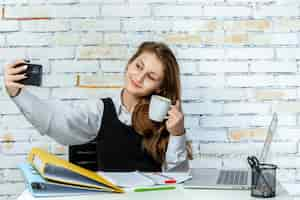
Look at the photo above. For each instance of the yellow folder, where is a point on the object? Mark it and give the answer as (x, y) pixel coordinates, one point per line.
(58, 170)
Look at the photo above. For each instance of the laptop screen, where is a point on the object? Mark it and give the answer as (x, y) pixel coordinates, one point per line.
(271, 131)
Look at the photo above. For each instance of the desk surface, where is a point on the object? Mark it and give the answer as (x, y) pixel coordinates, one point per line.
(178, 194)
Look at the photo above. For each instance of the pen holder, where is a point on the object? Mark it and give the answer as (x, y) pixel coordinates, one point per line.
(263, 181)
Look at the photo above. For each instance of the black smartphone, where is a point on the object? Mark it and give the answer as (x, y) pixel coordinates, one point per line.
(34, 74)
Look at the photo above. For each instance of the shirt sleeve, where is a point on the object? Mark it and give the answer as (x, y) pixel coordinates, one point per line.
(176, 155)
(67, 123)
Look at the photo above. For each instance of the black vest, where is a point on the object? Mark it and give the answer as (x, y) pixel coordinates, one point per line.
(118, 147)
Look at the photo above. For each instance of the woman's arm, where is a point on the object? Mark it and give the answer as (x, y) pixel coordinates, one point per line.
(66, 123)
(176, 155)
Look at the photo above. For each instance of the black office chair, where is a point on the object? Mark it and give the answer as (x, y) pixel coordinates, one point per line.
(84, 155)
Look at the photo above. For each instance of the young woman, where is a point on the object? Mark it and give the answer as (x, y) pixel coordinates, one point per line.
(126, 138)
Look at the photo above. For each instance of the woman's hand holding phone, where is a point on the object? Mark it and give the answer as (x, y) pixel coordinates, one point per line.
(13, 73)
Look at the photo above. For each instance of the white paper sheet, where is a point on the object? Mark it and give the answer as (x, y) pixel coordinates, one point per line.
(135, 179)
(127, 179)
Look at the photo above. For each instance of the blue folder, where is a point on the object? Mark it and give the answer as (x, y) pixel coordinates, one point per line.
(40, 187)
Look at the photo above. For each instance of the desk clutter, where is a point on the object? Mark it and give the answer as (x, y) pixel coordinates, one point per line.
(48, 175)
(135, 181)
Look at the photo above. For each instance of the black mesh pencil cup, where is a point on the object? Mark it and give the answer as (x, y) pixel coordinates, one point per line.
(263, 183)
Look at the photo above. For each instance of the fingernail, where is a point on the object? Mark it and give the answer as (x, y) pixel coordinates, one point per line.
(25, 66)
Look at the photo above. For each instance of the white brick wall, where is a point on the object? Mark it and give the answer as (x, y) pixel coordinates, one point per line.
(7, 26)
(273, 67)
(147, 25)
(250, 80)
(23, 39)
(214, 67)
(2, 40)
(239, 62)
(287, 53)
(12, 53)
(50, 53)
(95, 25)
(178, 11)
(125, 11)
(276, 11)
(58, 11)
(200, 53)
(70, 66)
(45, 26)
(250, 53)
(227, 11)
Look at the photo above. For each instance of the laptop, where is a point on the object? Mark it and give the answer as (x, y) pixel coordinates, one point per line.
(239, 179)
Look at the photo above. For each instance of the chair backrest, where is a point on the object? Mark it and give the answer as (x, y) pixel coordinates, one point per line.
(84, 155)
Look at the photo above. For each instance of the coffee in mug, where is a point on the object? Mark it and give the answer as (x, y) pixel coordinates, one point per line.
(159, 107)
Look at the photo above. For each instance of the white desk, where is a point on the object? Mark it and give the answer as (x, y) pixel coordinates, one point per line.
(178, 194)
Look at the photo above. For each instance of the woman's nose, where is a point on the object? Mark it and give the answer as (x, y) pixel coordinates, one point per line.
(140, 77)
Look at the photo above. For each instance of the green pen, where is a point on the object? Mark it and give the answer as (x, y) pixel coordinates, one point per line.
(145, 189)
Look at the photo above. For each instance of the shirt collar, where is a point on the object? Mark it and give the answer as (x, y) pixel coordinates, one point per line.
(120, 107)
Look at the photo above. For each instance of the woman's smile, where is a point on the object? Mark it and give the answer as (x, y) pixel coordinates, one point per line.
(135, 84)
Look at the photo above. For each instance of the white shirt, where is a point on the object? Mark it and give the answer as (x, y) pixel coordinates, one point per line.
(78, 123)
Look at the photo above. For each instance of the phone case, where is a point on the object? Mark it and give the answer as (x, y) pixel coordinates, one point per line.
(34, 75)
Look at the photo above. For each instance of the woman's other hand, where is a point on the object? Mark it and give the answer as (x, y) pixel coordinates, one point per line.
(175, 121)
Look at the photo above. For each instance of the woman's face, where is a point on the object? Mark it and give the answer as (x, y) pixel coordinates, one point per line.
(144, 75)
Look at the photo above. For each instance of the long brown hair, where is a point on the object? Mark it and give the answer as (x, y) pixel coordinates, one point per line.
(156, 136)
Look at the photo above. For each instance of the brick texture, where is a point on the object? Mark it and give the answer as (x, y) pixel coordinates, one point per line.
(239, 63)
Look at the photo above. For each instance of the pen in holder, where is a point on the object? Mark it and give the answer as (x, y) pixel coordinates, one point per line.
(263, 180)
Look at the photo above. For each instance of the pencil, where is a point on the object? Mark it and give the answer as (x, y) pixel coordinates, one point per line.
(145, 189)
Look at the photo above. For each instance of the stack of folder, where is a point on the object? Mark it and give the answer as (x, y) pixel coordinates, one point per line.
(47, 175)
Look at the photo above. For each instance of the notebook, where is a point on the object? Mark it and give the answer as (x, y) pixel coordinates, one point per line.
(226, 178)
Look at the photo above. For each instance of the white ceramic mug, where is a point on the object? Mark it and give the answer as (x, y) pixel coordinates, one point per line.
(159, 107)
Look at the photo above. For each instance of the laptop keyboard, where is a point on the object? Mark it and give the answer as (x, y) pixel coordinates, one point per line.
(232, 177)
